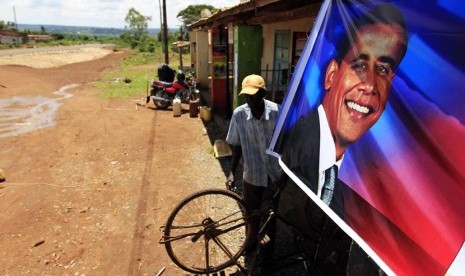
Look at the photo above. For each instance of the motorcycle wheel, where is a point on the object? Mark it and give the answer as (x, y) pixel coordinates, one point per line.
(160, 104)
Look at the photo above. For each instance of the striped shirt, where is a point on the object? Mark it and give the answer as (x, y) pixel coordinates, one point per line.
(253, 136)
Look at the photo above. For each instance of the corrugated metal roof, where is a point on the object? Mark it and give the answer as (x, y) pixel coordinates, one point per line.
(260, 11)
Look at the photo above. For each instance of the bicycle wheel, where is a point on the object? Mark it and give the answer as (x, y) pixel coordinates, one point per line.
(206, 232)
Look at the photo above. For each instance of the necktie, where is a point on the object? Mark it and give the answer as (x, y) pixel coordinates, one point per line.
(328, 186)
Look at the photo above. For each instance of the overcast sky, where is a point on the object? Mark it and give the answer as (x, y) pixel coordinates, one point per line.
(96, 13)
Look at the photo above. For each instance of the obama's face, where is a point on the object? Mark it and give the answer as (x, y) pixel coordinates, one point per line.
(358, 87)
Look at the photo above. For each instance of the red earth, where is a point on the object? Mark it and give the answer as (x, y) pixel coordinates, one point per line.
(90, 181)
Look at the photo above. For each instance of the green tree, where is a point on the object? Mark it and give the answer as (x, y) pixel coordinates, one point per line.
(191, 14)
(7, 25)
(58, 36)
(137, 33)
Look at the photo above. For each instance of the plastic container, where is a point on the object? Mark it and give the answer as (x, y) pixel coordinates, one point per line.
(202, 112)
(194, 108)
(177, 107)
(207, 114)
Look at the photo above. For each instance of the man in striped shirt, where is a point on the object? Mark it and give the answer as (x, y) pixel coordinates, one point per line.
(249, 134)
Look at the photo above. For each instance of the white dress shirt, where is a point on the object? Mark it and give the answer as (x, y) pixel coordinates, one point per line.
(327, 150)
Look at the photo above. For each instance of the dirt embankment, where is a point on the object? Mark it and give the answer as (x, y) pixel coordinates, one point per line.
(54, 57)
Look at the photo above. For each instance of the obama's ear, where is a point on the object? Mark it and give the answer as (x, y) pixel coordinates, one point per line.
(331, 70)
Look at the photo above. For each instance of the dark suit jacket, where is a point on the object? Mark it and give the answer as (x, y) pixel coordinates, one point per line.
(300, 149)
(300, 152)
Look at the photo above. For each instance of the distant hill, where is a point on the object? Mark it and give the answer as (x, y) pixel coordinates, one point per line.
(77, 30)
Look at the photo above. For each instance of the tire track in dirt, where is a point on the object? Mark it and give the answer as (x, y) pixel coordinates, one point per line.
(138, 236)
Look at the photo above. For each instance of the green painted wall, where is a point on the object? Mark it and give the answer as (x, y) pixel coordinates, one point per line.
(248, 51)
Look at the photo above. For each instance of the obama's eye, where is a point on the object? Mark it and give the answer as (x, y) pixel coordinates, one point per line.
(359, 66)
(383, 69)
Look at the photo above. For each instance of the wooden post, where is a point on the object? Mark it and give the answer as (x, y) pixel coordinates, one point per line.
(165, 33)
(180, 57)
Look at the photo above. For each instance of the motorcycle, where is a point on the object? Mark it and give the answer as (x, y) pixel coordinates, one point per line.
(184, 88)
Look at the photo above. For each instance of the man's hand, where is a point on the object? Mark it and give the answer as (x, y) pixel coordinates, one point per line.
(230, 182)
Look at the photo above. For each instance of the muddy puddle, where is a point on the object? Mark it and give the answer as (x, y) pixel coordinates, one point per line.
(20, 115)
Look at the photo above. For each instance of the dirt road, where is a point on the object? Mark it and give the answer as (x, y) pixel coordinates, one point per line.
(90, 181)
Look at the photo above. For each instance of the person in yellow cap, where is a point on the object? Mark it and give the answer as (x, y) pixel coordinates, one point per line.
(249, 134)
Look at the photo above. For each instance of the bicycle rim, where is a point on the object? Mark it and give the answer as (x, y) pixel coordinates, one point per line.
(206, 231)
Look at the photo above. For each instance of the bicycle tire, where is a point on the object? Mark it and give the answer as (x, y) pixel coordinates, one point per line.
(206, 232)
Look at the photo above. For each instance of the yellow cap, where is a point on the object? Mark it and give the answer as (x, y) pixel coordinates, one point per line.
(251, 84)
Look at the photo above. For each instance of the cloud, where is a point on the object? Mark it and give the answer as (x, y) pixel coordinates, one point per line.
(96, 13)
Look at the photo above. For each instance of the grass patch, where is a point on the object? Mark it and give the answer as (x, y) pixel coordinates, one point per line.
(134, 74)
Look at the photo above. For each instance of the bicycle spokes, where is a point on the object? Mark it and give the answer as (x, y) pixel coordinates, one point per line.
(206, 232)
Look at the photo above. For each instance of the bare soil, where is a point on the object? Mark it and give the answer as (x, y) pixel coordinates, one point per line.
(87, 194)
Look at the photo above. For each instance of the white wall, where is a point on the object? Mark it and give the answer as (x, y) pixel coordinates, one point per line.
(299, 25)
(11, 39)
(200, 56)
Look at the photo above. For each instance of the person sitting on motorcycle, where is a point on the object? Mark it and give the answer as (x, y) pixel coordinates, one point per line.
(179, 84)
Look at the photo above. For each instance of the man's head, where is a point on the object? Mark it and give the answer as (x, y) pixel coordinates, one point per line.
(254, 91)
(359, 79)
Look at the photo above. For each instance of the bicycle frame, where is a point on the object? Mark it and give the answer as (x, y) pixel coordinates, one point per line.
(210, 230)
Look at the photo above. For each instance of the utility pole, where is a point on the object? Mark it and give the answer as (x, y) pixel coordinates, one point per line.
(165, 33)
(161, 26)
(16, 23)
